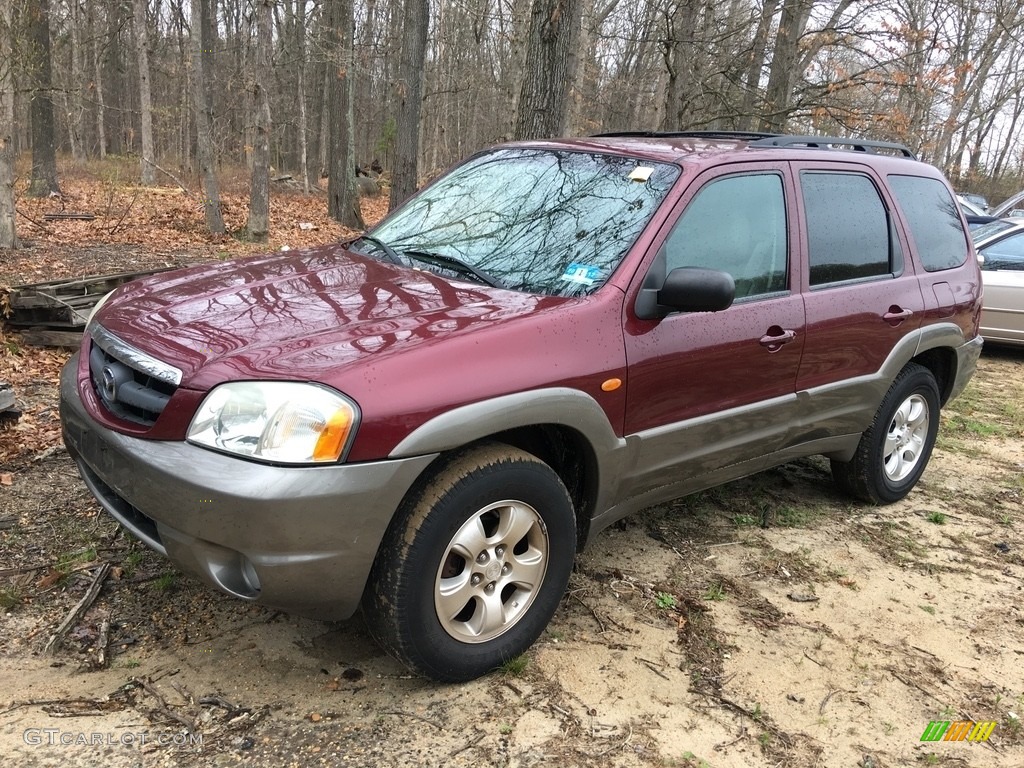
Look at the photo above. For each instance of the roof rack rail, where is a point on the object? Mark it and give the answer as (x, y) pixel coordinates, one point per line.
(723, 134)
(827, 142)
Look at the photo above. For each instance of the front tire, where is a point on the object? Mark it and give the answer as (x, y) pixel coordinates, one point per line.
(894, 451)
(474, 565)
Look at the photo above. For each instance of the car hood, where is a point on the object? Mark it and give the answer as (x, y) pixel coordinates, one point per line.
(304, 315)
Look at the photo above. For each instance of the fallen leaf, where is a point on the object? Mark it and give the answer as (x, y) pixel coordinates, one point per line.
(6, 478)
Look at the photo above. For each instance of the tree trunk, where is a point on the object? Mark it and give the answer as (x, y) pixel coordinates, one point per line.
(795, 14)
(43, 181)
(8, 231)
(342, 200)
(97, 66)
(409, 97)
(202, 55)
(259, 191)
(148, 170)
(75, 105)
(543, 106)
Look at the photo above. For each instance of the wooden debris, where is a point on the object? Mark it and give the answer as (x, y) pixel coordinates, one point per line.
(76, 613)
(68, 216)
(103, 645)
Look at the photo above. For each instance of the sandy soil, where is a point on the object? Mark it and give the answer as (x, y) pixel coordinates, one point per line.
(770, 622)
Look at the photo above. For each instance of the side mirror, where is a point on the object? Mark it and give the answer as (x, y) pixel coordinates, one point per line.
(685, 289)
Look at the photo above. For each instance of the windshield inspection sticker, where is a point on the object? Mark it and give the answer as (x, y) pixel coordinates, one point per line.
(641, 173)
(581, 273)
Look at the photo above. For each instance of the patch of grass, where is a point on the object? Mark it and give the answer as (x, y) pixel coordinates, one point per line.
(69, 560)
(10, 597)
(937, 517)
(505, 729)
(165, 582)
(715, 592)
(929, 609)
(131, 663)
(665, 600)
(1012, 726)
(745, 521)
(947, 712)
(515, 666)
(132, 561)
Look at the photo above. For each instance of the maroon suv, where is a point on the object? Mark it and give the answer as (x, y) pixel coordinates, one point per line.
(431, 420)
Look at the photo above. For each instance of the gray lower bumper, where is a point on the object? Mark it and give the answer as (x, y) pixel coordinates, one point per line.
(301, 539)
(967, 363)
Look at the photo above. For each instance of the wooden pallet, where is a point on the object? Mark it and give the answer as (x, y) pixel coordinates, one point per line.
(63, 305)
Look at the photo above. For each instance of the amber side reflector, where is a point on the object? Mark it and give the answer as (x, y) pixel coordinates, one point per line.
(611, 385)
(328, 445)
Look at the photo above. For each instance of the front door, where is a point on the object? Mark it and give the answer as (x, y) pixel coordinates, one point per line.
(709, 392)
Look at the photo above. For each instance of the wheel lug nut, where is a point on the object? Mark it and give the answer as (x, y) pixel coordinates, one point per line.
(482, 557)
(506, 568)
(489, 589)
(476, 579)
(499, 551)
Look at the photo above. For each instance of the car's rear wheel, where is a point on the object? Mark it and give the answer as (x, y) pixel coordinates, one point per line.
(474, 564)
(894, 451)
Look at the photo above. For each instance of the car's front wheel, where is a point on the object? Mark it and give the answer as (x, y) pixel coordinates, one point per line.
(894, 451)
(474, 565)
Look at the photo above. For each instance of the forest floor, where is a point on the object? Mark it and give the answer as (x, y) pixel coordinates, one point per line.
(769, 622)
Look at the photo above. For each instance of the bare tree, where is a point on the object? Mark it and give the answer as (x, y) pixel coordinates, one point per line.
(543, 106)
(203, 40)
(342, 199)
(259, 191)
(43, 180)
(409, 97)
(8, 231)
(148, 169)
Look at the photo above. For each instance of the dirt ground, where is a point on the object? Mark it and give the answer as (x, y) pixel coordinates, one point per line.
(770, 622)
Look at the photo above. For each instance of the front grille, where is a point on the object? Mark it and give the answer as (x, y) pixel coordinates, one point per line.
(130, 384)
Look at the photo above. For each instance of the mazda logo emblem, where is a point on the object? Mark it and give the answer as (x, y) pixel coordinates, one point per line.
(109, 383)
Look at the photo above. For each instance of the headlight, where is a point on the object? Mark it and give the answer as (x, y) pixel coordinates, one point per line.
(278, 421)
(96, 308)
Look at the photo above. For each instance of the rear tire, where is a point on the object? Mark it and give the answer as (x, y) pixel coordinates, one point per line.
(894, 451)
(474, 564)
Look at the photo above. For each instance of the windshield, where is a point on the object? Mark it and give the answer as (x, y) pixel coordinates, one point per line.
(551, 222)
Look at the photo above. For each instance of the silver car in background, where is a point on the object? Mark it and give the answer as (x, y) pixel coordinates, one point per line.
(1000, 246)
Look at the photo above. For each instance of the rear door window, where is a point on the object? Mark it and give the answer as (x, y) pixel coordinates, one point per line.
(847, 228)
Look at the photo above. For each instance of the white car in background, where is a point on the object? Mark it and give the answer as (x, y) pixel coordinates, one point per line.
(1000, 246)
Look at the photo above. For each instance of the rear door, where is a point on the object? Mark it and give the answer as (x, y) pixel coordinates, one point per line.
(861, 297)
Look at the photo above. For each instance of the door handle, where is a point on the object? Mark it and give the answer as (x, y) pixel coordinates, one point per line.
(897, 315)
(775, 338)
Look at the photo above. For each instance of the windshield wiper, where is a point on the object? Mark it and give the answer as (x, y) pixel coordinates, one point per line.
(458, 265)
(390, 252)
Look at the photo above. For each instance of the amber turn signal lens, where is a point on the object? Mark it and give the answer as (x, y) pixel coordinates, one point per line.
(611, 385)
(332, 439)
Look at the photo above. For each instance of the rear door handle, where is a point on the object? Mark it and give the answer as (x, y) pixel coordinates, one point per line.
(775, 338)
(897, 315)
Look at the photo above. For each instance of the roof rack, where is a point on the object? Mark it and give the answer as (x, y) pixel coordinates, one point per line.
(724, 134)
(762, 140)
(828, 142)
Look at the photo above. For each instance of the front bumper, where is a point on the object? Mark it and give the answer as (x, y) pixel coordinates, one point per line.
(301, 539)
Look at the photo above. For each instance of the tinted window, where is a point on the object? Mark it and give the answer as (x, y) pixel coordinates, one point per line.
(552, 222)
(1008, 253)
(847, 227)
(934, 222)
(738, 225)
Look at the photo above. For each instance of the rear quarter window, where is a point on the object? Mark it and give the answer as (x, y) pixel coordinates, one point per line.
(934, 220)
